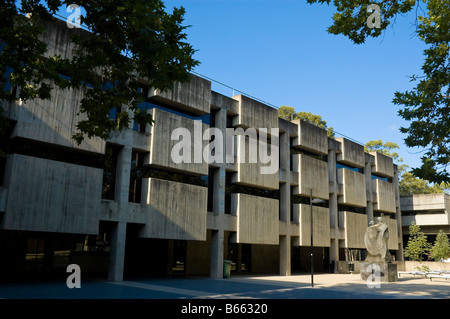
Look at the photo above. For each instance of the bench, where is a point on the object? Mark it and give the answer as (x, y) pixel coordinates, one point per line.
(431, 276)
(412, 273)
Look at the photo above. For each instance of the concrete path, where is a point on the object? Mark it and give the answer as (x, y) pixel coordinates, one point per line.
(326, 286)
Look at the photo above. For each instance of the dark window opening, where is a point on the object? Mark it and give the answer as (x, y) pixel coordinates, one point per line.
(355, 169)
(233, 254)
(179, 256)
(135, 191)
(212, 118)
(230, 120)
(353, 209)
(246, 264)
(386, 179)
(153, 172)
(301, 199)
(54, 153)
(228, 177)
(295, 150)
(109, 171)
(211, 194)
(274, 194)
(144, 106)
(421, 212)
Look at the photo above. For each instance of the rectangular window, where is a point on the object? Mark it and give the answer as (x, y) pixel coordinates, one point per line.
(137, 161)
(228, 176)
(179, 256)
(355, 169)
(109, 163)
(230, 120)
(211, 194)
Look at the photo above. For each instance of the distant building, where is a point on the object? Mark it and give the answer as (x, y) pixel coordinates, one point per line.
(125, 207)
(429, 211)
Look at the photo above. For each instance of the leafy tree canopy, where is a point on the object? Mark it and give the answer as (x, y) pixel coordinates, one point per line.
(417, 246)
(129, 40)
(441, 248)
(288, 113)
(409, 184)
(427, 105)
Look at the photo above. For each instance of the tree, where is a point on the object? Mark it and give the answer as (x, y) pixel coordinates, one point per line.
(427, 105)
(441, 248)
(417, 245)
(387, 149)
(288, 113)
(129, 40)
(408, 183)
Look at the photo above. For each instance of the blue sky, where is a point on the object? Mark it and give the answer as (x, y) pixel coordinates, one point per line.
(280, 52)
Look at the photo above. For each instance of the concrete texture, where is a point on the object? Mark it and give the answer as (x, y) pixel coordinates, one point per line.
(162, 144)
(193, 96)
(321, 225)
(385, 196)
(257, 219)
(51, 196)
(311, 138)
(313, 174)
(383, 165)
(175, 210)
(351, 153)
(353, 187)
(255, 114)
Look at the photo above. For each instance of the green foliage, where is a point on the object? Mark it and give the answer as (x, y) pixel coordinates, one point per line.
(128, 40)
(417, 245)
(423, 268)
(383, 148)
(288, 113)
(410, 184)
(441, 248)
(427, 106)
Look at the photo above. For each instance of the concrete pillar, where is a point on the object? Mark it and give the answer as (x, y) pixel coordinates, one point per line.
(368, 175)
(285, 240)
(118, 233)
(217, 236)
(123, 170)
(333, 208)
(117, 252)
(398, 217)
(285, 255)
(217, 243)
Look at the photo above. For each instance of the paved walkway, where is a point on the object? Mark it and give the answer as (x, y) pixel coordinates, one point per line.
(326, 286)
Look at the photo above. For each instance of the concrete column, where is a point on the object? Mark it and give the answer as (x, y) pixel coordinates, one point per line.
(285, 240)
(285, 255)
(117, 252)
(217, 243)
(123, 170)
(398, 217)
(368, 175)
(118, 233)
(217, 236)
(284, 151)
(333, 207)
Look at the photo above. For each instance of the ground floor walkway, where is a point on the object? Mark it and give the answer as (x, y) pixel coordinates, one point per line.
(326, 286)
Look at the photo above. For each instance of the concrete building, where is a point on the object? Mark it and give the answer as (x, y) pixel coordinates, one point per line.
(429, 211)
(124, 207)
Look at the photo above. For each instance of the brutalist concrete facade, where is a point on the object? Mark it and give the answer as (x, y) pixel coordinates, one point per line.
(142, 209)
